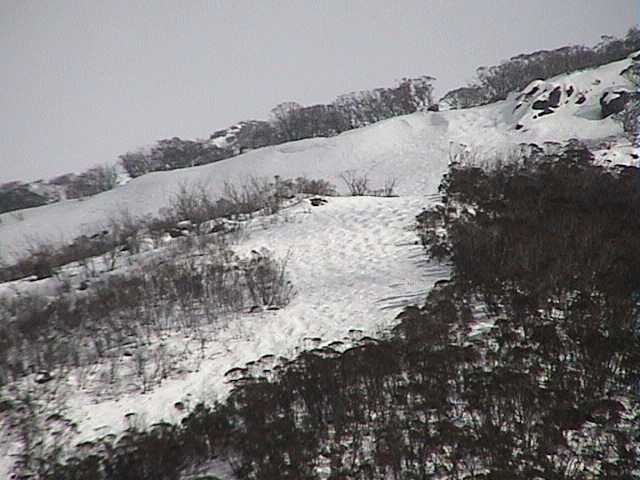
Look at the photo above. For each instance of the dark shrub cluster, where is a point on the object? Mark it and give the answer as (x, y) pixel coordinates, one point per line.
(91, 182)
(312, 186)
(535, 211)
(17, 195)
(43, 259)
(170, 154)
(630, 116)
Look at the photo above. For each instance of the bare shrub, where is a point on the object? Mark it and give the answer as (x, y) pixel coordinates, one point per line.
(223, 286)
(193, 203)
(357, 184)
(267, 282)
(41, 260)
(314, 187)
(255, 195)
(388, 190)
(141, 368)
(156, 227)
(124, 225)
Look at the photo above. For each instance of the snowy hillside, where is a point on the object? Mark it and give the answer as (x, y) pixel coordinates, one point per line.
(354, 262)
(414, 149)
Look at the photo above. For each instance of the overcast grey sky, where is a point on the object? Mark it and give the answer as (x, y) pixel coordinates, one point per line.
(84, 81)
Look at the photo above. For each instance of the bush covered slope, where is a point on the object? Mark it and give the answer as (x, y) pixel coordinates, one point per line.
(525, 365)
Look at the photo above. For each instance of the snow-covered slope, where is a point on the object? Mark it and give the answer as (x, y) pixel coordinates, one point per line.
(354, 262)
(414, 149)
(567, 104)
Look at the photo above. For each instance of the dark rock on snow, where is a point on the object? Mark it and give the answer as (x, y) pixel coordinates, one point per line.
(614, 101)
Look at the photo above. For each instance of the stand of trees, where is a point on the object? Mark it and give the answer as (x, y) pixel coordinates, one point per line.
(93, 181)
(290, 121)
(18, 195)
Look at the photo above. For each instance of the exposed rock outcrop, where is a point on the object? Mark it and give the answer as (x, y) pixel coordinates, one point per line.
(614, 100)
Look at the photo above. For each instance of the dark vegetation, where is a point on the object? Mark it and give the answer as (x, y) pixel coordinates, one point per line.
(525, 365)
(495, 82)
(91, 182)
(630, 116)
(18, 195)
